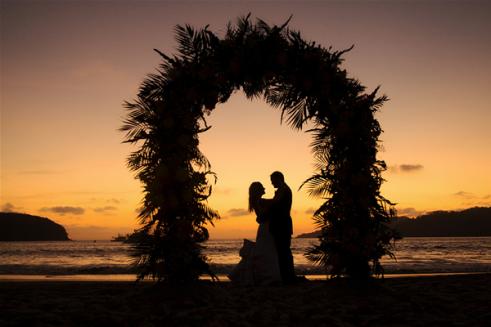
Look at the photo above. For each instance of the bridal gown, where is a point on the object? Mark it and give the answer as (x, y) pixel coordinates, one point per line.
(259, 263)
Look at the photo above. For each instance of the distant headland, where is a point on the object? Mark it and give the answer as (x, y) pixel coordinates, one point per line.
(469, 222)
(24, 227)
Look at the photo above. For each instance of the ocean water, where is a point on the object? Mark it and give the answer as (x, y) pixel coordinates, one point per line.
(414, 255)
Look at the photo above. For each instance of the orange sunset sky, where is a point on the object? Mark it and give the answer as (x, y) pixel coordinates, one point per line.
(67, 67)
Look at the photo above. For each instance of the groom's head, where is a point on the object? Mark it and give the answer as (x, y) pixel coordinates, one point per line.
(277, 179)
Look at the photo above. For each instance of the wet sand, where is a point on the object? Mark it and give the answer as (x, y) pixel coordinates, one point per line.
(221, 277)
(455, 300)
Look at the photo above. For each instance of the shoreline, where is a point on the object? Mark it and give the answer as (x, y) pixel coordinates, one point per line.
(222, 277)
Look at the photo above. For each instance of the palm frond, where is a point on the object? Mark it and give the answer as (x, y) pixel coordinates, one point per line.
(317, 185)
(297, 113)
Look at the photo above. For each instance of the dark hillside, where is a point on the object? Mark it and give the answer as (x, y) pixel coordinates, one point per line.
(24, 227)
(469, 222)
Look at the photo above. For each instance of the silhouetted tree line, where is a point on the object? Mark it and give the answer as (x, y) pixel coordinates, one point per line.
(469, 222)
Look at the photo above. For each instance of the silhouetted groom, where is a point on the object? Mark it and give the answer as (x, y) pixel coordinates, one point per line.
(281, 226)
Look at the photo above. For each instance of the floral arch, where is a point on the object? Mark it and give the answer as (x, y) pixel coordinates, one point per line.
(306, 82)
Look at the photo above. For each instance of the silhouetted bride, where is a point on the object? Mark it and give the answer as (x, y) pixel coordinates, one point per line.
(259, 263)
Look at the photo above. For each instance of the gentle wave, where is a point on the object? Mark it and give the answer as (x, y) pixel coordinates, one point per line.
(414, 255)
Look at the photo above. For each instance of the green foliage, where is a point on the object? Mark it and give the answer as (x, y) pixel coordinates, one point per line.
(306, 82)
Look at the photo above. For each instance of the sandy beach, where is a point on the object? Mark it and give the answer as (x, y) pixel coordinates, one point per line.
(458, 300)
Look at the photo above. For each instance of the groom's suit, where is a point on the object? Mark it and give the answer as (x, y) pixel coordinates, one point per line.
(281, 228)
